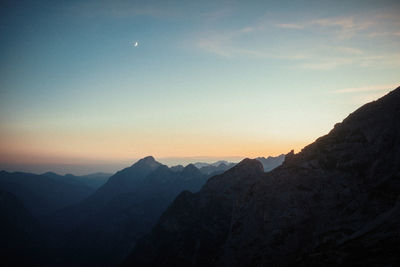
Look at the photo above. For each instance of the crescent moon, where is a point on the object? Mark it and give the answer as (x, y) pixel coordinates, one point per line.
(135, 44)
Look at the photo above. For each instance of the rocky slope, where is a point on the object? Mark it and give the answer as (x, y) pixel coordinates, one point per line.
(335, 202)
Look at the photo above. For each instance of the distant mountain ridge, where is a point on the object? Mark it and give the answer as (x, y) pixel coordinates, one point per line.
(93, 180)
(221, 166)
(214, 168)
(44, 194)
(109, 221)
(200, 165)
(271, 163)
(93, 212)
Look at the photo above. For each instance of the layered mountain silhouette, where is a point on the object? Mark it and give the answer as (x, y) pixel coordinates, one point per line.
(44, 194)
(93, 181)
(215, 168)
(334, 203)
(102, 229)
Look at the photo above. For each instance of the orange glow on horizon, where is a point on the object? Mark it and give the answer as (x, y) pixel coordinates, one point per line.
(107, 147)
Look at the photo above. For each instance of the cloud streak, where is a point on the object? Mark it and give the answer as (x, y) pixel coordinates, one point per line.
(344, 27)
(222, 46)
(339, 42)
(363, 89)
(290, 26)
(345, 24)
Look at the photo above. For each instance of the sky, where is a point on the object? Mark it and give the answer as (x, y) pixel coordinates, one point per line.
(208, 80)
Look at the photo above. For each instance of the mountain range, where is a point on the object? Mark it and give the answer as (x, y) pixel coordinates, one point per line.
(46, 193)
(103, 228)
(334, 203)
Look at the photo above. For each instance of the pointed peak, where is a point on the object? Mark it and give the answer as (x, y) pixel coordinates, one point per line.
(190, 167)
(190, 170)
(149, 160)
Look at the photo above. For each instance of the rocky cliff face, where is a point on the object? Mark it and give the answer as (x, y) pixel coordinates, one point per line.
(334, 202)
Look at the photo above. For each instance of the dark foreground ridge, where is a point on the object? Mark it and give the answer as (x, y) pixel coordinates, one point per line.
(334, 203)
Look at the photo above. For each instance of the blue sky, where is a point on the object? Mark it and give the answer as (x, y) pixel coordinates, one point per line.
(217, 79)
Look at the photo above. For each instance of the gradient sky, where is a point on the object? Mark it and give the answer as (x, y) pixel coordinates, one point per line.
(208, 80)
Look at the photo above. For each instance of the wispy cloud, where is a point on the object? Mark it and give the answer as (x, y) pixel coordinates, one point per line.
(326, 64)
(350, 50)
(225, 45)
(319, 57)
(348, 24)
(374, 88)
(214, 16)
(334, 42)
(222, 47)
(345, 27)
(380, 34)
(247, 29)
(290, 26)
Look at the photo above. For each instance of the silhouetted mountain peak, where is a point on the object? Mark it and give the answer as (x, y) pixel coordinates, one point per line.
(248, 165)
(148, 161)
(190, 168)
(126, 180)
(138, 170)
